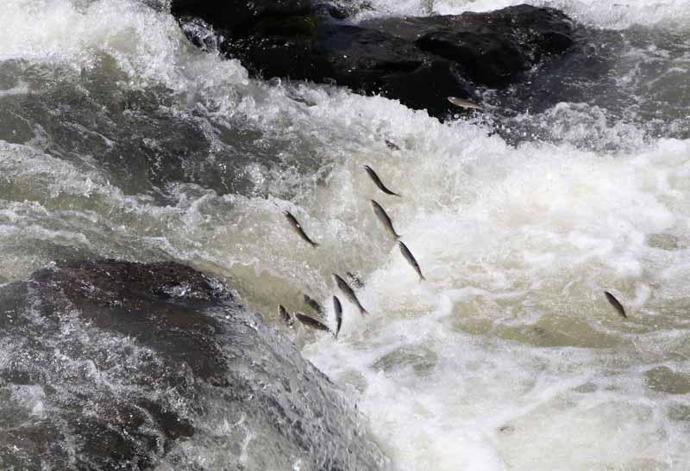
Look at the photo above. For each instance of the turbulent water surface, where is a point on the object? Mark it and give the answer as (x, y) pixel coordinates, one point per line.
(119, 138)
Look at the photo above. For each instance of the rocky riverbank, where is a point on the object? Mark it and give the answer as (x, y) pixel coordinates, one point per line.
(118, 365)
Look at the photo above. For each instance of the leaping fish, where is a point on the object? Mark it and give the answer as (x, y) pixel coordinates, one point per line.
(378, 182)
(384, 218)
(298, 228)
(311, 322)
(312, 303)
(345, 288)
(616, 304)
(338, 308)
(410, 258)
(285, 315)
(462, 103)
(391, 145)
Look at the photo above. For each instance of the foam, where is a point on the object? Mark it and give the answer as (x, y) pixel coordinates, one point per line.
(605, 14)
(508, 357)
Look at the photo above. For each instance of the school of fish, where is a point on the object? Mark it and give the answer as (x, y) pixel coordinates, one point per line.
(387, 223)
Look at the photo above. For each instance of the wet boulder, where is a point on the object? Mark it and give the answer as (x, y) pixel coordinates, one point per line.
(238, 17)
(419, 61)
(116, 365)
(492, 48)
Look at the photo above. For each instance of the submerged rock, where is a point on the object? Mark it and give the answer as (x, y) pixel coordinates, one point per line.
(420, 61)
(117, 365)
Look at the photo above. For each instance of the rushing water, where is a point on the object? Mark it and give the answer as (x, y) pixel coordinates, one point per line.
(118, 138)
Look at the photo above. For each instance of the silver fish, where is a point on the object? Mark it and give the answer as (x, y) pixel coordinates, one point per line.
(506, 428)
(285, 315)
(384, 218)
(410, 258)
(345, 288)
(311, 322)
(312, 303)
(616, 304)
(391, 145)
(338, 308)
(298, 228)
(378, 182)
(462, 103)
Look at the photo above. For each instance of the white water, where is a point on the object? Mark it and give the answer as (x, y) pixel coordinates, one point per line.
(508, 356)
(605, 14)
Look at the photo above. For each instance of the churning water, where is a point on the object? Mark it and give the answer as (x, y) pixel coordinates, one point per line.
(118, 138)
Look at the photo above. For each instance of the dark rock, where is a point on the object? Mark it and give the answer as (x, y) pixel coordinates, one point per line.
(490, 48)
(420, 61)
(366, 60)
(115, 365)
(238, 16)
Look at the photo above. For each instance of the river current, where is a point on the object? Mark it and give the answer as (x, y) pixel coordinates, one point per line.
(119, 138)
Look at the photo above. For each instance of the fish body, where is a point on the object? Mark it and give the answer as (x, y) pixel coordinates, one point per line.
(410, 258)
(384, 218)
(345, 288)
(311, 322)
(391, 145)
(462, 103)
(338, 308)
(312, 303)
(616, 304)
(378, 182)
(285, 315)
(298, 228)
